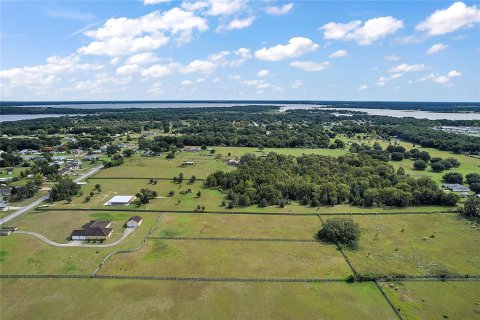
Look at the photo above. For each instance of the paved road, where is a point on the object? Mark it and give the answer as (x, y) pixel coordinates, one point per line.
(42, 199)
(76, 243)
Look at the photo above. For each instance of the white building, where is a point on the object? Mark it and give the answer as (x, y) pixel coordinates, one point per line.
(134, 222)
(119, 201)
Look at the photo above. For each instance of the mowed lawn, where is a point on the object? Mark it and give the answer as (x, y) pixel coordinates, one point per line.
(139, 299)
(210, 199)
(416, 245)
(244, 259)
(238, 226)
(24, 254)
(58, 225)
(436, 299)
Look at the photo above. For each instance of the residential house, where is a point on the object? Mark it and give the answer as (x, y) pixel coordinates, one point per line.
(93, 230)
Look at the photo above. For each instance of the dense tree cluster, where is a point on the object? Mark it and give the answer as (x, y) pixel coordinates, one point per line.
(64, 189)
(316, 180)
(342, 231)
(145, 195)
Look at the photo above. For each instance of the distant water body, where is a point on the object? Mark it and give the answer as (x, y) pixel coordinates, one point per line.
(419, 114)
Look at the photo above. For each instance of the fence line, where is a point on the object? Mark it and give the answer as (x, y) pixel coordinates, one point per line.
(292, 214)
(390, 302)
(232, 239)
(186, 179)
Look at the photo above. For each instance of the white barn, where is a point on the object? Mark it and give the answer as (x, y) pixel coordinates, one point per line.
(119, 201)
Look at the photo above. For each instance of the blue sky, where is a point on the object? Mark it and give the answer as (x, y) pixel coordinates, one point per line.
(239, 49)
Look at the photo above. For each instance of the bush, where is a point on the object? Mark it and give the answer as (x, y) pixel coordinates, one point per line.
(63, 190)
(420, 165)
(343, 231)
(438, 166)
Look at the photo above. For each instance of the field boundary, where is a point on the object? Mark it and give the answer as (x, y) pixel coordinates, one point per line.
(293, 214)
(390, 302)
(232, 239)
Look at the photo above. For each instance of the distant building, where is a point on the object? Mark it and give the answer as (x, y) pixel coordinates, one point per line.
(192, 149)
(93, 230)
(119, 201)
(4, 205)
(455, 187)
(90, 157)
(233, 162)
(188, 163)
(134, 222)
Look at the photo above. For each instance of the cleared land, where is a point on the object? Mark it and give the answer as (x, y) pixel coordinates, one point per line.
(53, 299)
(238, 226)
(208, 258)
(436, 300)
(24, 254)
(416, 245)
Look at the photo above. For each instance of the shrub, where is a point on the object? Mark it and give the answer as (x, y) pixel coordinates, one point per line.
(453, 177)
(471, 208)
(343, 231)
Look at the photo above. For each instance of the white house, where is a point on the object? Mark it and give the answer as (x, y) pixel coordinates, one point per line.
(134, 222)
(119, 201)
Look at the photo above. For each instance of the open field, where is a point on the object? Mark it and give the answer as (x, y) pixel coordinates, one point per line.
(210, 258)
(24, 254)
(416, 245)
(238, 226)
(210, 199)
(126, 299)
(436, 300)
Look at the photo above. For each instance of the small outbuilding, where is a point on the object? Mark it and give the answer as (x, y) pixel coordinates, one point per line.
(119, 201)
(134, 222)
(188, 163)
(455, 187)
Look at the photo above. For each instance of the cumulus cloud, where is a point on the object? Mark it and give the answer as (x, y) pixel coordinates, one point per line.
(401, 68)
(263, 73)
(158, 70)
(258, 84)
(296, 84)
(278, 11)
(225, 7)
(363, 87)
(142, 58)
(440, 78)
(237, 24)
(128, 69)
(296, 47)
(121, 36)
(383, 80)
(436, 48)
(455, 17)
(339, 54)
(454, 73)
(310, 65)
(371, 31)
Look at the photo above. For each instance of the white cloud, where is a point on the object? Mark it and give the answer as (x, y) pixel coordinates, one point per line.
(441, 79)
(454, 73)
(237, 24)
(142, 58)
(401, 68)
(128, 69)
(225, 7)
(158, 70)
(263, 73)
(156, 88)
(186, 82)
(310, 65)
(436, 48)
(120, 36)
(258, 84)
(372, 30)
(455, 17)
(296, 47)
(363, 87)
(383, 80)
(339, 54)
(277, 11)
(392, 57)
(199, 66)
(147, 2)
(243, 52)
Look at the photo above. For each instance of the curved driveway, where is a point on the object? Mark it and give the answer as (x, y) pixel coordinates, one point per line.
(76, 243)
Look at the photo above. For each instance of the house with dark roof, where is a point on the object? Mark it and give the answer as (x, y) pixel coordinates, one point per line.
(134, 222)
(93, 230)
